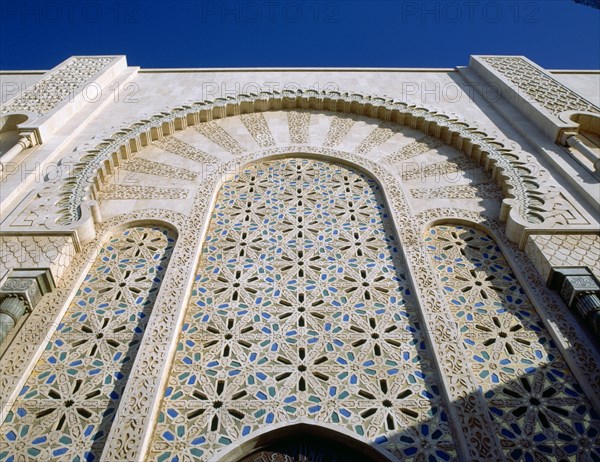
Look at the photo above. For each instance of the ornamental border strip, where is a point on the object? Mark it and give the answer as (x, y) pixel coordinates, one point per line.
(23, 353)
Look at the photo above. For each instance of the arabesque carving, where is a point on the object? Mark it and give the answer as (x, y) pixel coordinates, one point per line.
(521, 178)
(56, 86)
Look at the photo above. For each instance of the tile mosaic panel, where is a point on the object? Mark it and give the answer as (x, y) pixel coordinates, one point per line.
(66, 407)
(301, 309)
(540, 412)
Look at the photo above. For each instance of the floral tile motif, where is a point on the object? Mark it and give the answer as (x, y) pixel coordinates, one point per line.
(66, 407)
(301, 309)
(539, 409)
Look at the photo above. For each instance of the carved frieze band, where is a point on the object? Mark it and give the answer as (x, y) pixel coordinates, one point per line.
(464, 191)
(218, 135)
(524, 183)
(437, 169)
(127, 192)
(378, 136)
(339, 128)
(149, 167)
(183, 149)
(299, 123)
(257, 126)
(427, 143)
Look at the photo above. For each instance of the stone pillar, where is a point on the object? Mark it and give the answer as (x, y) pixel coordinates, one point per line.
(580, 290)
(27, 140)
(571, 139)
(19, 295)
(11, 309)
(589, 308)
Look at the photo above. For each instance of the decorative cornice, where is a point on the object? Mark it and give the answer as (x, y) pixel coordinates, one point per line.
(539, 85)
(534, 91)
(62, 92)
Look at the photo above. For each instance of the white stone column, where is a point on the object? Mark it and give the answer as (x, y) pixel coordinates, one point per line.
(26, 141)
(11, 310)
(576, 143)
(20, 294)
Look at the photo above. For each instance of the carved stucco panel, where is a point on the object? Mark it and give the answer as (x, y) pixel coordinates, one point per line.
(452, 363)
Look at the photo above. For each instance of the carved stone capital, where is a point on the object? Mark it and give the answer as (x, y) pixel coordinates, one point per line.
(11, 309)
(580, 290)
(27, 285)
(30, 137)
(573, 282)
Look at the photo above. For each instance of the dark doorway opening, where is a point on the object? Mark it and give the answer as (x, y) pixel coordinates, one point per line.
(305, 447)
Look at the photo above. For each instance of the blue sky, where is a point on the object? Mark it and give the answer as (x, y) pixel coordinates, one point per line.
(557, 34)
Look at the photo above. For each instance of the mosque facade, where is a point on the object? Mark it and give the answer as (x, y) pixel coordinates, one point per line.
(300, 264)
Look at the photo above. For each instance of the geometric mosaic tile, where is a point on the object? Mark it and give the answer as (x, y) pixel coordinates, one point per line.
(301, 309)
(540, 412)
(67, 405)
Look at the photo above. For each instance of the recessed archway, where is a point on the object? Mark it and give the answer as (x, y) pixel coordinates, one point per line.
(303, 441)
(301, 308)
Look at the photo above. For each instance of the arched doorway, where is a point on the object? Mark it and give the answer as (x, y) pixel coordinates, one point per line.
(304, 447)
(305, 441)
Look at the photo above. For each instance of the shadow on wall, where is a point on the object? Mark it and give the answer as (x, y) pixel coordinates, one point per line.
(128, 359)
(536, 418)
